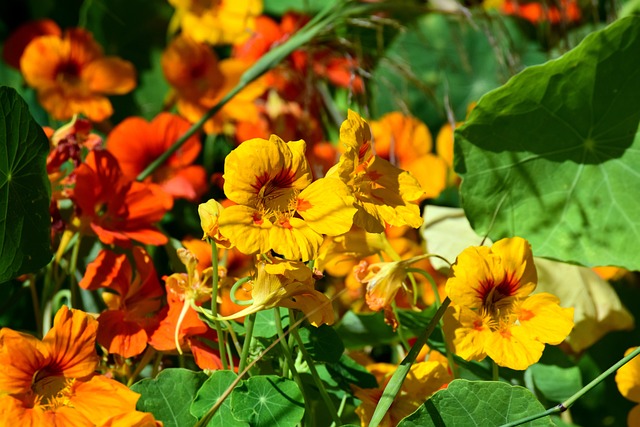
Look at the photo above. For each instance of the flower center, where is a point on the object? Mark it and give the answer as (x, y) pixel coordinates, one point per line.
(68, 72)
(52, 391)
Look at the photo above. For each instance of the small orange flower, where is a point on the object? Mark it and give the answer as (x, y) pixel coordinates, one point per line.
(201, 81)
(71, 75)
(536, 13)
(628, 382)
(115, 209)
(53, 382)
(123, 329)
(20, 38)
(135, 143)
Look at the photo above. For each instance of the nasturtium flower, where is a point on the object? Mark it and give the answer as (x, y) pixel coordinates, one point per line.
(72, 75)
(278, 207)
(132, 302)
(628, 382)
(53, 382)
(209, 213)
(423, 379)
(200, 81)
(493, 312)
(283, 288)
(115, 209)
(217, 22)
(20, 38)
(136, 143)
(383, 193)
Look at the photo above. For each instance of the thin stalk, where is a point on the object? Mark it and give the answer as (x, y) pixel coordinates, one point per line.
(286, 350)
(495, 371)
(234, 289)
(248, 324)
(214, 304)
(562, 407)
(36, 303)
(73, 284)
(343, 402)
(176, 333)
(314, 374)
(146, 358)
(395, 383)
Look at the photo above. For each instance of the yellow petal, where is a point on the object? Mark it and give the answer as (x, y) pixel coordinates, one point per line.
(246, 229)
(628, 378)
(466, 332)
(542, 318)
(514, 348)
(474, 267)
(327, 206)
(294, 239)
(517, 261)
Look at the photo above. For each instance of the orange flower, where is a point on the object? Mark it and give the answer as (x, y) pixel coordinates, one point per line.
(123, 328)
(201, 81)
(115, 209)
(71, 75)
(135, 143)
(19, 39)
(534, 12)
(52, 382)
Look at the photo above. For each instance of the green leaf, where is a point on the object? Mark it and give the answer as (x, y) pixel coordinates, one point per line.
(280, 7)
(208, 395)
(168, 397)
(265, 324)
(477, 403)
(25, 192)
(267, 400)
(347, 372)
(555, 383)
(322, 343)
(553, 154)
(359, 330)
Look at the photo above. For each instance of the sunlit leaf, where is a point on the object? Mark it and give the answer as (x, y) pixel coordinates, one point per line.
(477, 403)
(168, 396)
(209, 394)
(553, 154)
(267, 400)
(322, 343)
(25, 192)
(265, 323)
(359, 330)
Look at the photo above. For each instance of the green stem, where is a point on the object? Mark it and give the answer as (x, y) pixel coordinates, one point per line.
(314, 374)
(495, 371)
(248, 325)
(214, 304)
(234, 289)
(286, 350)
(395, 383)
(144, 361)
(584, 390)
(73, 284)
(36, 303)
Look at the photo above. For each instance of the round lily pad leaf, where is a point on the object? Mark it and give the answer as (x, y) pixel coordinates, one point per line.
(25, 192)
(553, 155)
(208, 395)
(267, 400)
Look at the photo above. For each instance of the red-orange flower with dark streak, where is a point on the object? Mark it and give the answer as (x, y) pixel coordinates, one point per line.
(136, 143)
(134, 298)
(115, 209)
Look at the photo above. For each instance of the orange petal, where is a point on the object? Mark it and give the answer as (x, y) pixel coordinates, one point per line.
(110, 75)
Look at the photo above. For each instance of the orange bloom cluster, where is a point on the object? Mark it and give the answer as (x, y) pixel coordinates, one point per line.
(539, 12)
(69, 70)
(53, 382)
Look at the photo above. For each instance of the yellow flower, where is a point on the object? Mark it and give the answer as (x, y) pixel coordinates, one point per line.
(283, 290)
(209, 213)
(493, 313)
(424, 379)
(628, 381)
(383, 193)
(279, 207)
(217, 21)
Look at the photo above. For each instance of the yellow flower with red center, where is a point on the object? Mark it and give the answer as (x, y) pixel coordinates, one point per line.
(53, 382)
(278, 207)
(217, 21)
(493, 313)
(288, 284)
(71, 75)
(384, 194)
(200, 81)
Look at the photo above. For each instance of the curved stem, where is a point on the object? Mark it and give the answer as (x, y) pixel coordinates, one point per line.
(314, 374)
(176, 334)
(234, 289)
(248, 324)
(584, 390)
(214, 304)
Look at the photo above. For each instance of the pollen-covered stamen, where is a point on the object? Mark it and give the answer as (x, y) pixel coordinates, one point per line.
(51, 390)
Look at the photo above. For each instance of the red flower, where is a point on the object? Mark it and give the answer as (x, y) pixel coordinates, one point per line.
(115, 209)
(122, 329)
(136, 143)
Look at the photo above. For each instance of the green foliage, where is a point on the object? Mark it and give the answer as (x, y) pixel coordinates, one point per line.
(168, 397)
(25, 191)
(212, 389)
(267, 400)
(347, 372)
(477, 403)
(555, 383)
(265, 324)
(322, 343)
(553, 154)
(359, 330)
